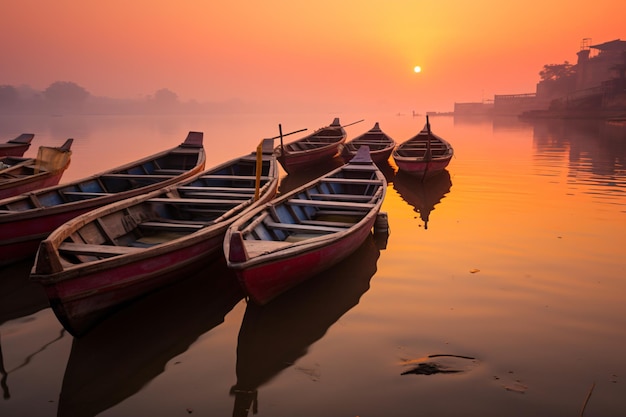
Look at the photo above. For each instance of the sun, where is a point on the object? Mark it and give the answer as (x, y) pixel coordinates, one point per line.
(417, 69)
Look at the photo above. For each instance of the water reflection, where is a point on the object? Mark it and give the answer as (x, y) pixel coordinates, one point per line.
(594, 151)
(19, 296)
(27, 360)
(129, 349)
(423, 196)
(272, 338)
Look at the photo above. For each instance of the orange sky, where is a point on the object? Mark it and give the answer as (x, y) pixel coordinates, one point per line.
(334, 55)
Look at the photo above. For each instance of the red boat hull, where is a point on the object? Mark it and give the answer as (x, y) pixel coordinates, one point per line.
(296, 162)
(31, 185)
(266, 281)
(425, 169)
(82, 300)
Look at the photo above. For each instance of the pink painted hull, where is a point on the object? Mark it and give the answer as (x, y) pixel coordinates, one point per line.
(26, 186)
(21, 231)
(14, 150)
(266, 281)
(82, 300)
(294, 162)
(424, 169)
(20, 239)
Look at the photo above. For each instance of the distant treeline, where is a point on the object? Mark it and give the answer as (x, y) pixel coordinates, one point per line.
(63, 97)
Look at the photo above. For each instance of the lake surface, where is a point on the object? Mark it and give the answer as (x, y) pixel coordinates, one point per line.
(501, 289)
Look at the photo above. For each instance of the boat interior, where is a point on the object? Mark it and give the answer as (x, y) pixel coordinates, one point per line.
(148, 172)
(332, 205)
(179, 211)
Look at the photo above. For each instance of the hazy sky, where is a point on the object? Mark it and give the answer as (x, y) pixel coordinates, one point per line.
(343, 53)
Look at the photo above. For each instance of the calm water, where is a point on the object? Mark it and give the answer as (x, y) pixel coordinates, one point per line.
(500, 291)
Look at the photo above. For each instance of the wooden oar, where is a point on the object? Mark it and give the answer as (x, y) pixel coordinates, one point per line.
(353, 123)
(280, 130)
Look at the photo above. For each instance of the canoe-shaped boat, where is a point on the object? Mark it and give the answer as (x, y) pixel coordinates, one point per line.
(276, 336)
(381, 145)
(27, 219)
(303, 232)
(318, 147)
(109, 256)
(44, 171)
(424, 155)
(17, 146)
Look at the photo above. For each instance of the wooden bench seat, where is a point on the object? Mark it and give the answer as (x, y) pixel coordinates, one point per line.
(233, 177)
(345, 197)
(352, 181)
(138, 176)
(86, 193)
(214, 194)
(106, 251)
(174, 227)
(323, 203)
(303, 227)
(194, 201)
(169, 171)
(327, 223)
(242, 190)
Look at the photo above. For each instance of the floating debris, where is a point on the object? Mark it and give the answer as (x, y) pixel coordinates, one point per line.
(447, 364)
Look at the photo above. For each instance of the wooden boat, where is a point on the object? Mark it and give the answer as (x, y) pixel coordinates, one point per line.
(109, 256)
(423, 195)
(381, 145)
(35, 173)
(318, 147)
(26, 220)
(424, 155)
(307, 230)
(143, 339)
(17, 146)
(275, 336)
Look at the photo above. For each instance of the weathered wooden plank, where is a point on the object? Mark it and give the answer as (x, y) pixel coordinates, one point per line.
(352, 181)
(178, 227)
(97, 250)
(336, 204)
(343, 197)
(303, 227)
(196, 201)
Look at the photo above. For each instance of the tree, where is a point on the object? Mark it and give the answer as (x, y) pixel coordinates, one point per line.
(8, 95)
(555, 72)
(66, 92)
(165, 96)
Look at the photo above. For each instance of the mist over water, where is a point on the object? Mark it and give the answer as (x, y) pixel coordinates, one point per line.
(499, 291)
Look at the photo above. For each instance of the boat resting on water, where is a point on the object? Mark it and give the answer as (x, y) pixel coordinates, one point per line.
(35, 173)
(92, 264)
(17, 146)
(424, 155)
(318, 147)
(301, 233)
(27, 219)
(381, 145)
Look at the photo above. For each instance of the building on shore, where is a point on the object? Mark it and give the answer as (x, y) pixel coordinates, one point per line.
(593, 87)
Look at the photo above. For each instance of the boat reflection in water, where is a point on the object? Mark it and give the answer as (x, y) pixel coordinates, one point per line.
(19, 296)
(423, 196)
(120, 355)
(273, 337)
